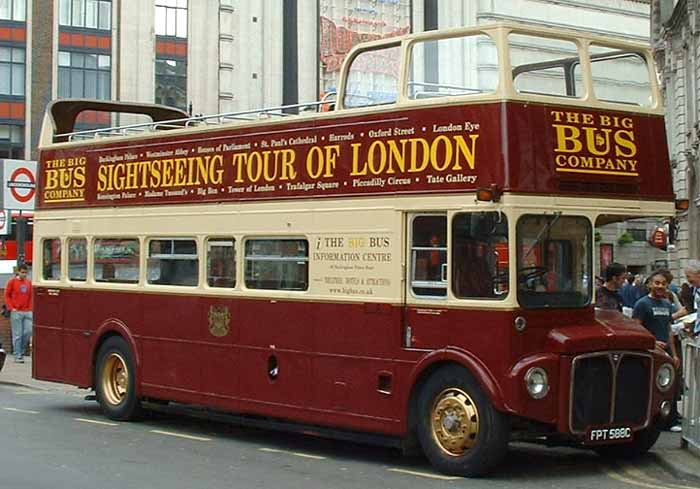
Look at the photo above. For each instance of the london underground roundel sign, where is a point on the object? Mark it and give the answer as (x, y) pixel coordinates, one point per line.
(19, 189)
(22, 185)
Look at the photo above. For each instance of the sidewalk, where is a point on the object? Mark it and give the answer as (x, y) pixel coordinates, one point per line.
(20, 374)
(680, 462)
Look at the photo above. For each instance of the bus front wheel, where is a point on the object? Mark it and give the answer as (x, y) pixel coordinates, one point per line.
(459, 429)
(115, 382)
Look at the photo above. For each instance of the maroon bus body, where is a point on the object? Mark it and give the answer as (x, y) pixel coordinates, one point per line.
(353, 372)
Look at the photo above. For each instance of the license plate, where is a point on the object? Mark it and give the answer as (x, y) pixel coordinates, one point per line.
(615, 434)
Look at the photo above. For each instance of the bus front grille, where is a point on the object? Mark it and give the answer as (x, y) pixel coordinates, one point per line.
(610, 388)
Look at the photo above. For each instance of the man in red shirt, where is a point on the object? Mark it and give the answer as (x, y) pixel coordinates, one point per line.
(18, 299)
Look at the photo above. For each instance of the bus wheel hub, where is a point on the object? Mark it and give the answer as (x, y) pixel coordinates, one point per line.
(455, 421)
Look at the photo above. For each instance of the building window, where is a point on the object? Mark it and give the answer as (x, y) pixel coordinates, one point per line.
(171, 18)
(12, 70)
(638, 234)
(11, 142)
(83, 75)
(171, 82)
(13, 10)
(91, 14)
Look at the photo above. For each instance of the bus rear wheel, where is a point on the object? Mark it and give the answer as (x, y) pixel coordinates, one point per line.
(459, 429)
(115, 380)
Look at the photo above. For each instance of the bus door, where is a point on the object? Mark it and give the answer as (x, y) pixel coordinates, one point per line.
(48, 314)
(462, 256)
(425, 314)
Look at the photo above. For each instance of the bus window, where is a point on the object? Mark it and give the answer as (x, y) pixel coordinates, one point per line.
(543, 65)
(277, 264)
(221, 262)
(116, 260)
(173, 262)
(453, 66)
(429, 256)
(480, 255)
(620, 76)
(554, 261)
(51, 259)
(77, 259)
(373, 78)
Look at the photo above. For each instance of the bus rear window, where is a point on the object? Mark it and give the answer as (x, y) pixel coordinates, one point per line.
(116, 260)
(277, 264)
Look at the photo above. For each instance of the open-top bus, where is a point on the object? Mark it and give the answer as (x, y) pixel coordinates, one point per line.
(415, 265)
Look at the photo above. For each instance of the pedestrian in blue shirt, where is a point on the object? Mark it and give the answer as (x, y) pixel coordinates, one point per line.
(655, 312)
(631, 291)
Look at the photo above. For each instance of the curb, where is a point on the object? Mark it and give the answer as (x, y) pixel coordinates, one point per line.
(17, 384)
(676, 470)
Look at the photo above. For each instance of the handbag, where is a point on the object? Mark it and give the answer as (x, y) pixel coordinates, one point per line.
(5, 311)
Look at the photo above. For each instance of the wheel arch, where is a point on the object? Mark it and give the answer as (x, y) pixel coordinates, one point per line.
(443, 358)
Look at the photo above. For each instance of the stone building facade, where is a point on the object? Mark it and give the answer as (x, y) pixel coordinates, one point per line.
(675, 32)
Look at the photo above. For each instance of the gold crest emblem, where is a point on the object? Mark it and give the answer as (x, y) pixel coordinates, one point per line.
(219, 319)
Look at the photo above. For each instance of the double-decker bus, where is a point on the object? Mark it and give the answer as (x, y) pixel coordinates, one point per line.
(414, 266)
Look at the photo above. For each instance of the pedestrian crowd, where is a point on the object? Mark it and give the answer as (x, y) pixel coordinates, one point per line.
(658, 304)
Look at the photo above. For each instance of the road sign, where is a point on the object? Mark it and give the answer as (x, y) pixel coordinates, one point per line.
(19, 189)
(5, 220)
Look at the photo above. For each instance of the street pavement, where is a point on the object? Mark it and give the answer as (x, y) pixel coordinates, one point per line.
(681, 462)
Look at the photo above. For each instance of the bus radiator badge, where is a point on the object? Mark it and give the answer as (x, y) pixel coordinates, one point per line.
(219, 319)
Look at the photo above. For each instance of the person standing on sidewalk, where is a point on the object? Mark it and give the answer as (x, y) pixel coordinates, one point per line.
(18, 299)
(692, 273)
(607, 296)
(655, 312)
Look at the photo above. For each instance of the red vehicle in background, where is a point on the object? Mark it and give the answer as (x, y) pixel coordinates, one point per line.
(414, 267)
(9, 244)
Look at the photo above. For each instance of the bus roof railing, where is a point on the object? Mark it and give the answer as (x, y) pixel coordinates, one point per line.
(68, 111)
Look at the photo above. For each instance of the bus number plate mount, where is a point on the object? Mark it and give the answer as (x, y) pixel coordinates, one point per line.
(607, 435)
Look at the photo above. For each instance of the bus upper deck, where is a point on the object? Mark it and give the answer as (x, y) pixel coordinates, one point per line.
(510, 107)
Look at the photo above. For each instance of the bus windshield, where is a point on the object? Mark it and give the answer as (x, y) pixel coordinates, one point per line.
(554, 261)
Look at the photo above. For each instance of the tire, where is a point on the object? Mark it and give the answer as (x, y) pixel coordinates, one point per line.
(642, 442)
(459, 430)
(115, 380)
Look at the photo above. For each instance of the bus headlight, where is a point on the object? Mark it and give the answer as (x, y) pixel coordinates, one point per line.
(537, 382)
(664, 377)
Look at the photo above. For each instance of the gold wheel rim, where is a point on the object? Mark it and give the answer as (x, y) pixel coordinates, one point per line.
(455, 422)
(115, 379)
